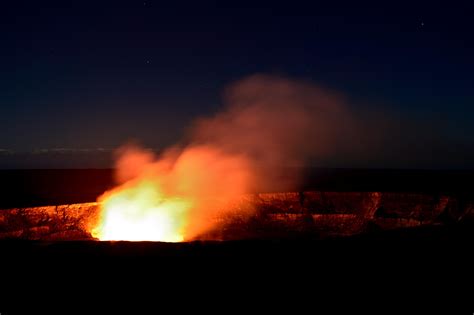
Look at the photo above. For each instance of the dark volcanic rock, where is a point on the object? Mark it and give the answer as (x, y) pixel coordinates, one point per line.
(265, 215)
(47, 222)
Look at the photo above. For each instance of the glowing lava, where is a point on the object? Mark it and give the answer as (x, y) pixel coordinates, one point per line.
(170, 198)
(140, 212)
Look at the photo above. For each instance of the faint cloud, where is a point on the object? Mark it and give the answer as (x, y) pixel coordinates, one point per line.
(6, 152)
(70, 151)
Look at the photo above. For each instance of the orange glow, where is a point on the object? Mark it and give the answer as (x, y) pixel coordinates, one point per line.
(141, 213)
(170, 199)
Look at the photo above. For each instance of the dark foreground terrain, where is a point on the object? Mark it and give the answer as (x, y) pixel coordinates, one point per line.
(420, 269)
(424, 269)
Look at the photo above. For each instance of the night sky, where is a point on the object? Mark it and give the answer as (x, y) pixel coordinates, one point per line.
(79, 78)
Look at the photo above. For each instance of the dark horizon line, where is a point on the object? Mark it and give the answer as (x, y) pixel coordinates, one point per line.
(283, 167)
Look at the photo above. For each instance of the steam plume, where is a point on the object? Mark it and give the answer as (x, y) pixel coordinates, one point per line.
(267, 123)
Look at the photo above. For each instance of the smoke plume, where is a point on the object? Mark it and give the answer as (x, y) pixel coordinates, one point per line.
(268, 123)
